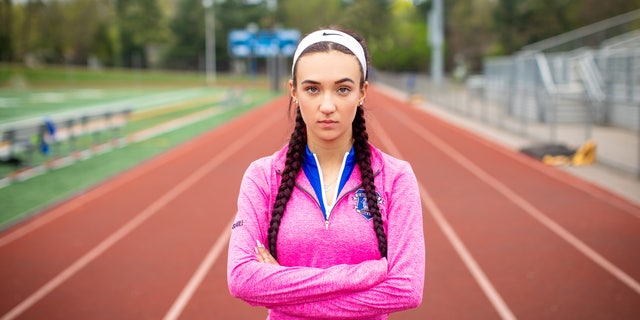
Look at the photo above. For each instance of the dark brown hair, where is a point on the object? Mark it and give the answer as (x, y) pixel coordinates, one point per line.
(296, 151)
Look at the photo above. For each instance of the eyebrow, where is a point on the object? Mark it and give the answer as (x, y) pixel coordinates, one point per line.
(336, 82)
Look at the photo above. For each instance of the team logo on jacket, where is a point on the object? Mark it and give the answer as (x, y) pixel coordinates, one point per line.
(361, 206)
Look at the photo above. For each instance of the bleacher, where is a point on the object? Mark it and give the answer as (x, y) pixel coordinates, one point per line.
(57, 140)
(570, 90)
(589, 75)
(36, 142)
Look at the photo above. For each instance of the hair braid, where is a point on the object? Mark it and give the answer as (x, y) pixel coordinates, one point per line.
(292, 166)
(363, 158)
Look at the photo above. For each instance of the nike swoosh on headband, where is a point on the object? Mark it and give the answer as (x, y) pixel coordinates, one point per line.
(343, 39)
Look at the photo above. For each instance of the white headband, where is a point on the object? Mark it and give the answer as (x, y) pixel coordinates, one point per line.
(336, 36)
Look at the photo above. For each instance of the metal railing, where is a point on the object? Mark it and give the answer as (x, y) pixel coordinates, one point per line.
(55, 142)
(589, 36)
(580, 86)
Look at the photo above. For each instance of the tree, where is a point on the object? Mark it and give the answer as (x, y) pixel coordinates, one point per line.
(42, 35)
(120, 32)
(141, 24)
(468, 42)
(6, 21)
(522, 22)
(367, 17)
(592, 11)
(309, 15)
(402, 45)
(188, 46)
(187, 26)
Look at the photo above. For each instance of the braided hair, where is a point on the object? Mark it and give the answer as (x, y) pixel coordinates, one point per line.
(296, 151)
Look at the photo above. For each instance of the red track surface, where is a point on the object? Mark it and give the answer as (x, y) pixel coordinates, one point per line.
(506, 237)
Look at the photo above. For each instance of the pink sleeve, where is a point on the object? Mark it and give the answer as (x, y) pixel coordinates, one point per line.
(403, 287)
(269, 285)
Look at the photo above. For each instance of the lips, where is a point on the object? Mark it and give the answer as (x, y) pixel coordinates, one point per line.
(327, 123)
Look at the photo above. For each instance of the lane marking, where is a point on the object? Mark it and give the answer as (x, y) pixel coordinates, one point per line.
(591, 188)
(82, 199)
(520, 202)
(198, 277)
(185, 296)
(97, 192)
(153, 208)
(467, 258)
(133, 138)
(588, 187)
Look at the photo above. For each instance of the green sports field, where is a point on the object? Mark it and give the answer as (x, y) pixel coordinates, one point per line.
(154, 99)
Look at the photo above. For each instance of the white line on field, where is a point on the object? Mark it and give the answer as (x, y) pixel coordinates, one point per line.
(153, 208)
(474, 268)
(521, 202)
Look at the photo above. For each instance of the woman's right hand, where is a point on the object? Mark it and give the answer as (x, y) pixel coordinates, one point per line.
(264, 255)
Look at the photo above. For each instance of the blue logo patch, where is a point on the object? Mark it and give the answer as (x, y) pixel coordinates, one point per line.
(361, 203)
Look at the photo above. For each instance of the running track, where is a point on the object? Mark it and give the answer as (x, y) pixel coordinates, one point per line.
(506, 237)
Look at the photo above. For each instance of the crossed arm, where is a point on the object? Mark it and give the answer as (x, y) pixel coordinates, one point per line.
(369, 288)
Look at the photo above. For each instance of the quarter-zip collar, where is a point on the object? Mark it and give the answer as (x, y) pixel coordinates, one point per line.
(349, 184)
(312, 170)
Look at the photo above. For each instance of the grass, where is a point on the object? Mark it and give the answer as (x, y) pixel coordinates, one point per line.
(37, 91)
(139, 121)
(23, 199)
(17, 104)
(60, 77)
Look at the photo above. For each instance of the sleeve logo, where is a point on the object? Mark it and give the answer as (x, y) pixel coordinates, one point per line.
(237, 224)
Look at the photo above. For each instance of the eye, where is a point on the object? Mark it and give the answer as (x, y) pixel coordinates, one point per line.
(344, 90)
(311, 89)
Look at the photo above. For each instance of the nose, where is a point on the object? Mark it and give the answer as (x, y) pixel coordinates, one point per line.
(327, 105)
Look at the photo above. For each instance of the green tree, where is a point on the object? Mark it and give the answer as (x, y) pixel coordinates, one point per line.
(105, 44)
(470, 34)
(6, 30)
(367, 17)
(521, 22)
(141, 24)
(402, 44)
(59, 31)
(42, 32)
(121, 32)
(83, 23)
(188, 28)
(592, 11)
(309, 15)
(238, 14)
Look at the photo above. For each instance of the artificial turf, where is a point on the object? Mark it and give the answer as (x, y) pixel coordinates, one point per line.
(23, 199)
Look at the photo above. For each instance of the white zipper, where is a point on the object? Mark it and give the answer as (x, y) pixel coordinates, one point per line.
(337, 186)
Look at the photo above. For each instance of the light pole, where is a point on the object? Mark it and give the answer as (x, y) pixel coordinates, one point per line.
(436, 39)
(210, 39)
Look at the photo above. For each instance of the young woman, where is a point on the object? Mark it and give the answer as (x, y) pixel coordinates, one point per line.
(328, 227)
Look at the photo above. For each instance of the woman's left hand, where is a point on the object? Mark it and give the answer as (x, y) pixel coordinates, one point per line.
(264, 255)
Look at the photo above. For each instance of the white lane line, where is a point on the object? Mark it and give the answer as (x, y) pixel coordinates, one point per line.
(474, 268)
(98, 192)
(197, 278)
(520, 202)
(622, 205)
(81, 200)
(617, 201)
(154, 207)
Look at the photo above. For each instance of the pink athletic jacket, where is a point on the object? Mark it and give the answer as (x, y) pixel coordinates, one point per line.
(329, 270)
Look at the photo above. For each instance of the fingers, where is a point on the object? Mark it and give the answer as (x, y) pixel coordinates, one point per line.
(260, 251)
(263, 255)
